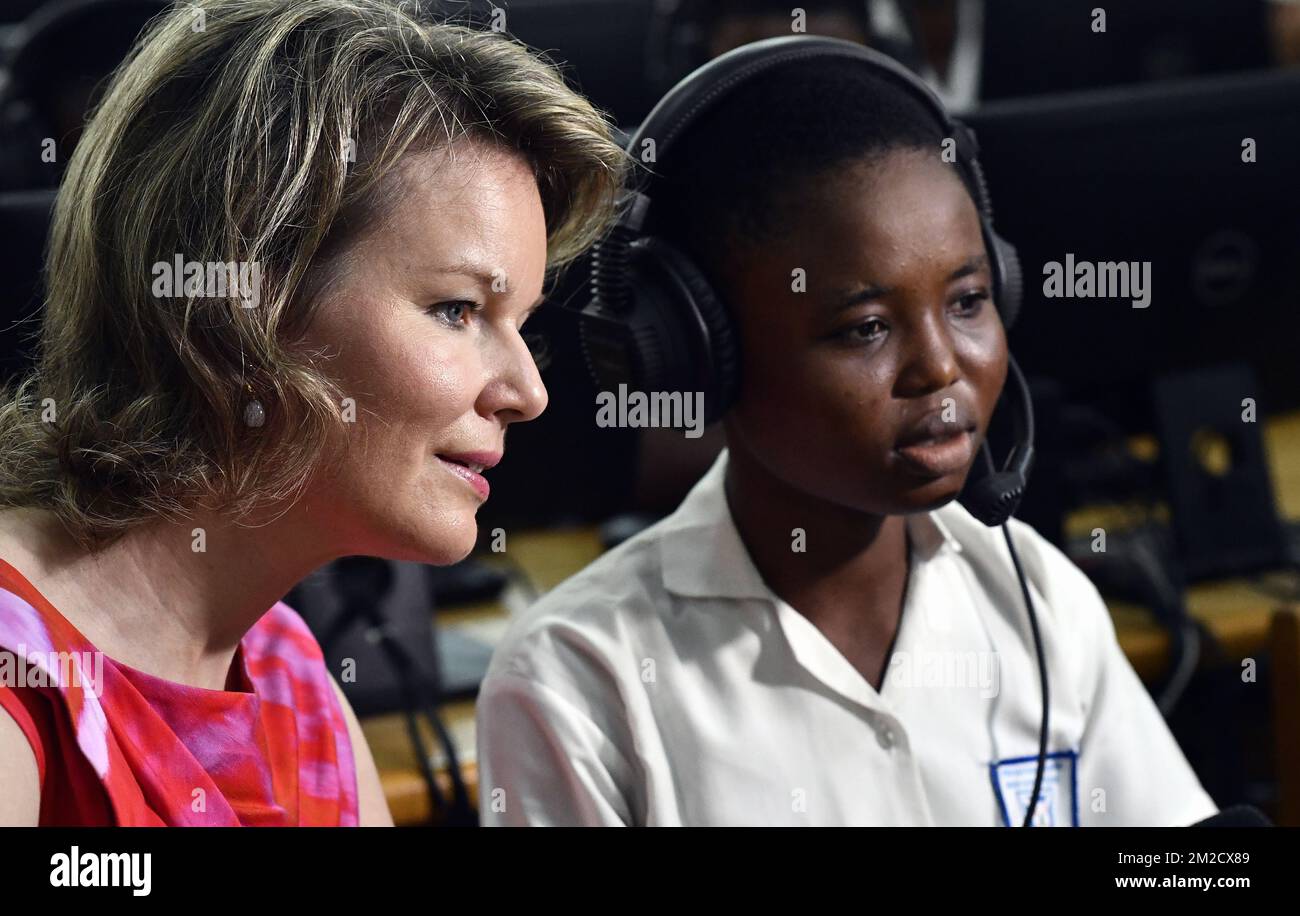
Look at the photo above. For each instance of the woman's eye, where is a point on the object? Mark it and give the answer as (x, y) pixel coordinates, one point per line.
(455, 312)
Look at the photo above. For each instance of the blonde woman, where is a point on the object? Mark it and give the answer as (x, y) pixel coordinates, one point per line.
(287, 276)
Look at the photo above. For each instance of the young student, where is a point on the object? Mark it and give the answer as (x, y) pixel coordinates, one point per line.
(820, 634)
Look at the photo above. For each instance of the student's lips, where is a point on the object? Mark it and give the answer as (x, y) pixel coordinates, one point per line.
(938, 456)
(469, 467)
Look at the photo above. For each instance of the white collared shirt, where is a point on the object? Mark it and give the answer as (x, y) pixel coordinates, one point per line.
(666, 684)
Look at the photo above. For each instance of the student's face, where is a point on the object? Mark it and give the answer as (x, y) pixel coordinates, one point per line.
(896, 323)
(429, 347)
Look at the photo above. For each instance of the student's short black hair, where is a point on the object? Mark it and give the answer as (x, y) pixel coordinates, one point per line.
(732, 179)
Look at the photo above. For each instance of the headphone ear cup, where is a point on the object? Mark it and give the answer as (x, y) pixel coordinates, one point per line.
(1010, 280)
(1006, 262)
(707, 320)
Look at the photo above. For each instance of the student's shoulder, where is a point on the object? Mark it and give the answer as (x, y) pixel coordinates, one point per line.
(1070, 611)
(1071, 599)
(603, 612)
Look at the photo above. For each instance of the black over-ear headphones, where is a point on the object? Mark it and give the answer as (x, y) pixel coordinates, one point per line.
(655, 323)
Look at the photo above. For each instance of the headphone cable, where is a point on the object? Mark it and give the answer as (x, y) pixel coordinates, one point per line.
(1042, 675)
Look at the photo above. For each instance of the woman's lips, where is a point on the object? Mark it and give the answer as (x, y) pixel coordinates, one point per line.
(939, 457)
(469, 475)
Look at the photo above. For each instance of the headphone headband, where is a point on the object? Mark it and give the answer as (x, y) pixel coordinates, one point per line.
(700, 90)
(686, 100)
(654, 318)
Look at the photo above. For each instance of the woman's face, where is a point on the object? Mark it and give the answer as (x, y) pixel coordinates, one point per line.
(896, 324)
(423, 327)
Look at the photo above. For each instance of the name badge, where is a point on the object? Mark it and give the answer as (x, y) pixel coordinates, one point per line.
(1058, 796)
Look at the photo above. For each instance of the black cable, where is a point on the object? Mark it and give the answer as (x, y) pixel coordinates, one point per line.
(361, 583)
(459, 811)
(1148, 552)
(1144, 572)
(410, 702)
(1042, 675)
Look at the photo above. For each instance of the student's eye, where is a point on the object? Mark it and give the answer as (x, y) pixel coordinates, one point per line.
(455, 312)
(973, 302)
(866, 332)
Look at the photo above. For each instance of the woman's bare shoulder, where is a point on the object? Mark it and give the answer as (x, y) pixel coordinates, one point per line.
(20, 802)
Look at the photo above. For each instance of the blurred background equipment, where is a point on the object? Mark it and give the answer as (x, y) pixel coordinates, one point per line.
(1155, 174)
(24, 223)
(55, 67)
(373, 618)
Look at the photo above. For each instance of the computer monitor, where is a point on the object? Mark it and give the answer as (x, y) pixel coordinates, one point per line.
(1198, 179)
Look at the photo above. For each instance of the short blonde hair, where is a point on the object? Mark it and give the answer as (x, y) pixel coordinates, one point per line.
(224, 137)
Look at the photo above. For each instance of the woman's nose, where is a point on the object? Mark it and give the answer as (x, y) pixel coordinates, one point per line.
(516, 392)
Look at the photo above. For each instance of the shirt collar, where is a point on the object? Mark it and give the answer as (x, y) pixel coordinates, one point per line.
(703, 556)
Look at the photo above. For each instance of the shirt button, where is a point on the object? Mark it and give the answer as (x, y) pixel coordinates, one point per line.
(885, 735)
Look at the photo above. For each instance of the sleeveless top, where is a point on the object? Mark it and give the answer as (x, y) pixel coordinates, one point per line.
(117, 746)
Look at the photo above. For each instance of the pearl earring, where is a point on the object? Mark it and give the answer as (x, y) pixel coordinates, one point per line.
(254, 412)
